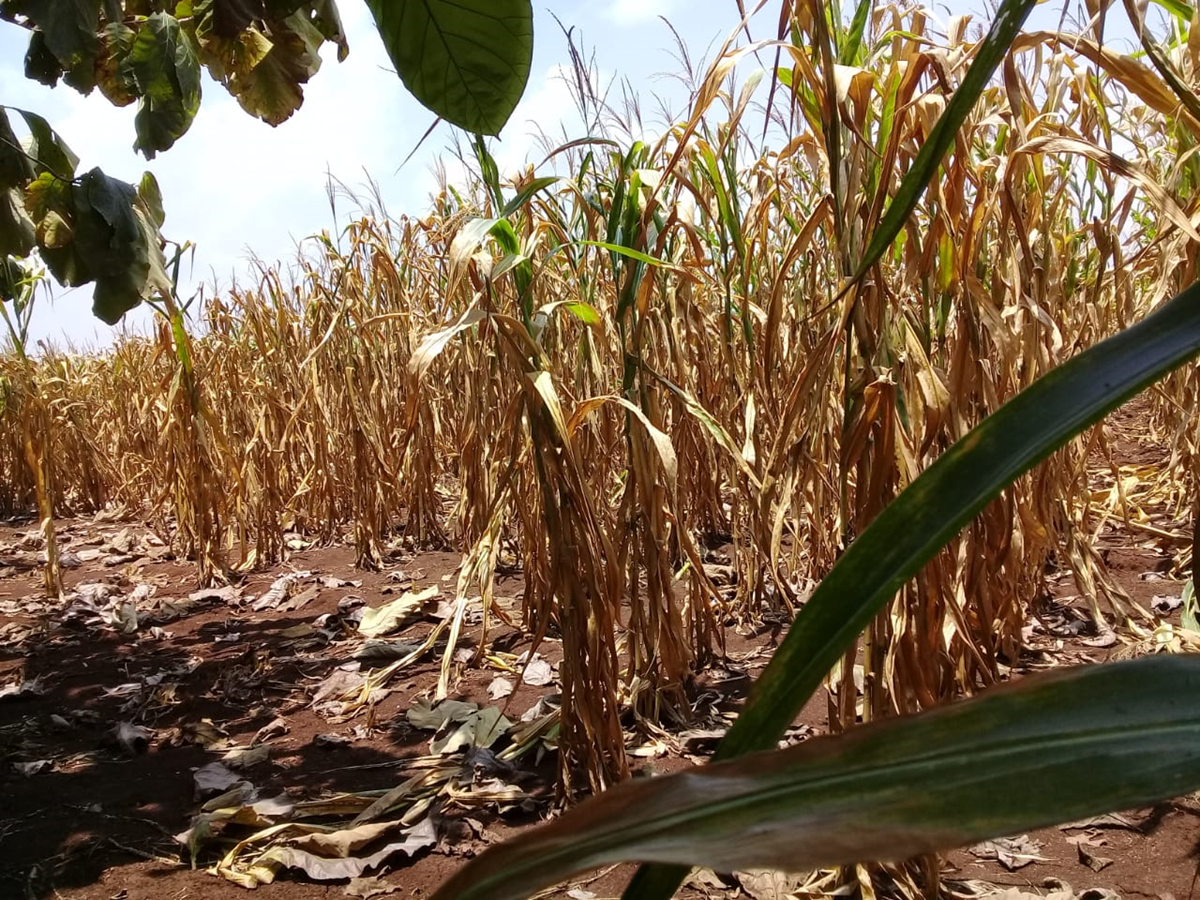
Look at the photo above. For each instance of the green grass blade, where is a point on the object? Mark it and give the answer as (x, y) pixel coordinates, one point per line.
(1079, 743)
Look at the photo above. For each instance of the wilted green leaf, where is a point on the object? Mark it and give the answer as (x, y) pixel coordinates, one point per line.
(1079, 743)
(271, 89)
(116, 42)
(68, 34)
(163, 66)
(40, 64)
(17, 235)
(49, 151)
(16, 168)
(466, 60)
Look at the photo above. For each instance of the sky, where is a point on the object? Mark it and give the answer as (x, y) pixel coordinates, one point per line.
(235, 186)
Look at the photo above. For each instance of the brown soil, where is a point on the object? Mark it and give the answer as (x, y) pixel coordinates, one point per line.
(98, 822)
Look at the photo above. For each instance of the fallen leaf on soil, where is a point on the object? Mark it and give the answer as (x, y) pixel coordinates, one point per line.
(1011, 853)
(275, 728)
(1063, 893)
(706, 881)
(480, 729)
(129, 738)
(380, 620)
(424, 715)
(245, 757)
(301, 599)
(121, 616)
(341, 681)
(279, 590)
(500, 688)
(321, 868)
(345, 841)
(1111, 820)
(767, 884)
(333, 582)
(226, 594)
(1095, 863)
(1165, 603)
(538, 672)
(368, 886)
(213, 779)
(31, 688)
(700, 740)
(381, 652)
(33, 767)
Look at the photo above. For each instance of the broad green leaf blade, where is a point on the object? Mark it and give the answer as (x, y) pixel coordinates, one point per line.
(162, 64)
(48, 148)
(67, 31)
(466, 60)
(1005, 27)
(1078, 743)
(16, 169)
(272, 88)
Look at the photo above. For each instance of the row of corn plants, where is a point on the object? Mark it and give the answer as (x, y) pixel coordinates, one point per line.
(595, 367)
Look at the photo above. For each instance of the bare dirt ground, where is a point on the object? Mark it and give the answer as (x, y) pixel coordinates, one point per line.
(125, 714)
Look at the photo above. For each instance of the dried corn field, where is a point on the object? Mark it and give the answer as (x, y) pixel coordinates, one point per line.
(593, 370)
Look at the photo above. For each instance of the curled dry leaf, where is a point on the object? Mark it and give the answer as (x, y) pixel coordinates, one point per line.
(500, 688)
(214, 778)
(129, 738)
(381, 620)
(538, 672)
(339, 863)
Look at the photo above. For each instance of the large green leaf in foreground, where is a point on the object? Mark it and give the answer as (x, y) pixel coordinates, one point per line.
(467, 60)
(1048, 749)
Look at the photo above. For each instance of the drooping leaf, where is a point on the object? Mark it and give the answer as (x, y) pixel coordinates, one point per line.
(162, 64)
(328, 21)
(272, 88)
(68, 34)
(229, 18)
(466, 60)
(16, 168)
(40, 64)
(17, 236)
(48, 150)
(1078, 743)
(103, 230)
(116, 43)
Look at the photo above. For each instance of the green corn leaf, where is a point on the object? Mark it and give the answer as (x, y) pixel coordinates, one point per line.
(526, 193)
(1079, 743)
(466, 60)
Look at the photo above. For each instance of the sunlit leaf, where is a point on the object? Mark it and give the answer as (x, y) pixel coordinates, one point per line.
(466, 60)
